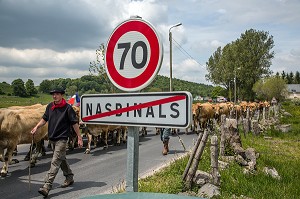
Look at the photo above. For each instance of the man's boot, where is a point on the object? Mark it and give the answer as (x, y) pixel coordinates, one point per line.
(166, 147)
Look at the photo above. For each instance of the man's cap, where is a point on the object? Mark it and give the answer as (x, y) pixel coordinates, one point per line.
(57, 91)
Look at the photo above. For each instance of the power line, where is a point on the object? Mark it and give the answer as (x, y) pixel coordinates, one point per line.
(186, 53)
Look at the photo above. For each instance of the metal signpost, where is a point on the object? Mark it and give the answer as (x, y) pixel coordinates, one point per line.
(134, 54)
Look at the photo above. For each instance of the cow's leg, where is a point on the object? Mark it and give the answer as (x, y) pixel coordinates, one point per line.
(124, 135)
(1, 155)
(15, 152)
(105, 137)
(5, 167)
(118, 135)
(88, 147)
(157, 131)
(8, 160)
(40, 150)
(31, 148)
(195, 126)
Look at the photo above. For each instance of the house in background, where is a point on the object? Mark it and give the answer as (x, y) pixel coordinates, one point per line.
(198, 98)
(221, 99)
(293, 91)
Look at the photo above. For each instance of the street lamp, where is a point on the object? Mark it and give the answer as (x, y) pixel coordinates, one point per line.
(170, 39)
(235, 83)
(234, 86)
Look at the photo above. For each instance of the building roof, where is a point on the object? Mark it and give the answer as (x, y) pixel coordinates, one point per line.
(293, 88)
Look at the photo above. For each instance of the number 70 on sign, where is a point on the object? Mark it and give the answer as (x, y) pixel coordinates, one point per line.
(134, 55)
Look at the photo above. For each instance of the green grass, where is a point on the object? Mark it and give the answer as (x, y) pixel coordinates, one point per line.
(281, 152)
(7, 101)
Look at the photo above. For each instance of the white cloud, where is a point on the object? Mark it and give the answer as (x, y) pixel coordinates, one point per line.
(53, 39)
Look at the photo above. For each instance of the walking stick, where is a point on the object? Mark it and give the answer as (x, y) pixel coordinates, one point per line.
(29, 168)
(180, 140)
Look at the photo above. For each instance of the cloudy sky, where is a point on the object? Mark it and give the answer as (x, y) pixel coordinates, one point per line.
(58, 39)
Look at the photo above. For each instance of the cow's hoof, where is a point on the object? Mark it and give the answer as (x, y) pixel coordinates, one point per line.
(32, 165)
(14, 161)
(3, 174)
(26, 158)
(87, 151)
(105, 147)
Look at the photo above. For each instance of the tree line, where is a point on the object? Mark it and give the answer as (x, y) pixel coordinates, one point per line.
(93, 84)
(290, 78)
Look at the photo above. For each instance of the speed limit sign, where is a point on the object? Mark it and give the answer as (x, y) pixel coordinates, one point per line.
(134, 55)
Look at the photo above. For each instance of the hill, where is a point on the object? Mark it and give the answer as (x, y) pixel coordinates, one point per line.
(89, 84)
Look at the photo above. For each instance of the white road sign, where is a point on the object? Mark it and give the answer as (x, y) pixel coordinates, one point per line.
(159, 109)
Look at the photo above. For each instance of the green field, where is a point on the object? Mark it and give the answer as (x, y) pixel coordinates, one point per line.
(7, 101)
(281, 151)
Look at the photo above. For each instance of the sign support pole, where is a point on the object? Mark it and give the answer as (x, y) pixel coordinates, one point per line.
(132, 159)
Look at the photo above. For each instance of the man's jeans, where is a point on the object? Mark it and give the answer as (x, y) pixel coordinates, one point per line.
(165, 134)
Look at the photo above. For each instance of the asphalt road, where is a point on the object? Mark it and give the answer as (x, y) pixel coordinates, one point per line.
(100, 172)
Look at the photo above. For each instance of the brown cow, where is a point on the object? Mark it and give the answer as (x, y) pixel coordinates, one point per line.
(204, 114)
(253, 106)
(237, 111)
(103, 130)
(15, 128)
(221, 109)
(244, 106)
(195, 121)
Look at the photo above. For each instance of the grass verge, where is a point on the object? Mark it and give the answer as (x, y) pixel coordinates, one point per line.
(282, 152)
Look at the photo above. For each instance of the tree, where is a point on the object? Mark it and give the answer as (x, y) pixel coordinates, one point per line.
(19, 88)
(290, 78)
(247, 60)
(218, 91)
(271, 87)
(297, 77)
(259, 89)
(283, 76)
(71, 90)
(1, 92)
(45, 86)
(30, 89)
(97, 67)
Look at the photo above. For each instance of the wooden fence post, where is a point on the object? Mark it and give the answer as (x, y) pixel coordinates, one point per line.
(222, 141)
(196, 160)
(264, 115)
(246, 125)
(255, 127)
(192, 156)
(214, 160)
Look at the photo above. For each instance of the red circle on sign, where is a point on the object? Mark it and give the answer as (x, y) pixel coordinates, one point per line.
(137, 82)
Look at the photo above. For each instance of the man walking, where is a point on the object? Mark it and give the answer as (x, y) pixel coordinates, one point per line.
(165, 136)
(60, 117)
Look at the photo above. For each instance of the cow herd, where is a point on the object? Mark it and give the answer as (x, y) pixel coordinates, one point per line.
(16, 123)
(205, 113)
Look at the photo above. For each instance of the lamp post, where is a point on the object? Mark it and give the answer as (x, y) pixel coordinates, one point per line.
(170, 39)
(235, 86)
(235, 83)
